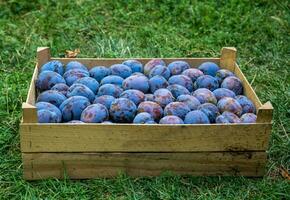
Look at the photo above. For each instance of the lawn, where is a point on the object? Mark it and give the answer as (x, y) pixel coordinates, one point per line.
(258, 29)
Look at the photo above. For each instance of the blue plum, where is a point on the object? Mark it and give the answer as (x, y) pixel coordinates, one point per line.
(222, 120)
(204, 96)
(157, 82)
(178, 109)
(123, 110)
(134, 95)
(112, 79)
(51, 96)
(247, 105)
(75, 65)
(196, 117)
(106, 100)
(223, 92)
(151, 64)
(231, 105)
(54, 66)
(182, 80)
(142, 118)
(110, 89)
(50, 107)
(228, 117)
(192, 73)
(78, 89)
(150, 122)
(209, 68)
(137, 82)
(91, 83)
(222, 74)
(189, 100)
(206, 81)
(210, 110)
(154, 109)
(177, 67)
(47, 79)
(121, 70)
(177, 90)
(61, 87)
(74, 74)
(163, 97)
(99, 72)
(171, 119)
(73, 107)
(95, 113)
(233, 83)
(46, 116)
(135, 65)
(248, 118)
(160, 70)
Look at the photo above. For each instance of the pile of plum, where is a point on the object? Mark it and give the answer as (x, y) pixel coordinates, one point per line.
(133, 93)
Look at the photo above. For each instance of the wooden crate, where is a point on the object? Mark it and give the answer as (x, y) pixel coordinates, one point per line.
(82, 151)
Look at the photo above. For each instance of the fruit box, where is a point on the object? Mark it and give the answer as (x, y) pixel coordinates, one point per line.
(82, 151)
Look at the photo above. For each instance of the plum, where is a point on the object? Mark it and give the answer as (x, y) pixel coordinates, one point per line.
(228, 117)
(149, 97)
(206, 81)
(47, 79)
(91, 83)
(50, 107)
(222, 120)
(231, 105)
(189, 100)
(204, 96)
(51, 96)
(121, 70)
(123, 110)
(136, 82)
(112, 79)
(95, 113)
(248, 118)
(54, 66)
(209, 68)
(177, 90)
(75, 65)
(75, 122)
(171, 119)
(247, 105)
(46, 116)
(134, 95)
(73, 107)
(61, 87)
(178, 109)
(74, 74)
(177, 67)
(222, 74)
(163, 97)
(110, 89)
(196, 117)
(135, 65)
(233, 83)
(192, 73)
(210, 110)
(160, 70)
(78, 89)
(154, 109)
(157, 82)
(106, 100)
(151, 64)
(99, 72)
(223, 92)
(142, 118)
(182, 80)
(150, 122)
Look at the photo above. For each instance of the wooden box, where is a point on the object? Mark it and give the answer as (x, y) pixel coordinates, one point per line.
(82, 151)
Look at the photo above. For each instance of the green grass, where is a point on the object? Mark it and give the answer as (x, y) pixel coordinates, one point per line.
(259, 30)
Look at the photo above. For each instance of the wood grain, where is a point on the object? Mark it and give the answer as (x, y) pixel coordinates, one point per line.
(143, 138)
(265, 113)
(228, 58)
(92, 165)
(43, 56)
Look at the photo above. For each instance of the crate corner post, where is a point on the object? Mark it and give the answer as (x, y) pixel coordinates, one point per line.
(43, 55)
(265, 113)
(228, 58)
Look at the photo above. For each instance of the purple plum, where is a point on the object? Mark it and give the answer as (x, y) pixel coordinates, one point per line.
(247, 105)
(222, 74)
(54, 66)
(178, 109)
(151, 64)
(206, 81)
(112, 79)
(154, 109)
(51, 96)
(134, 95)
(182, 80)
(105, 100)
(177, 67)
(50, 107)
(75, 65)
(248, 118)
(74, 74)
(110, 89)
(228, 117)
(192, 73)
(91, 83)
(223, 92)
(233, 83)
(231, 105)
(160, 70)
(123, 110)
(157, 82)
(209, 68)
(121, 70)
(196, 117)
(171, 119)
(61, 87)
(99, 72)
(142, 118)
(47, 79)
(46, 116)
(210, 110)
(163, 97)
(177, 90)
(204, 96)
(78, 89)
(189, 100)
(95, 113)
(135, 65)
(136, 82)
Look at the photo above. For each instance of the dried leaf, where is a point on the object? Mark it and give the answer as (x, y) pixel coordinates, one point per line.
(72, 54)
(284, 173)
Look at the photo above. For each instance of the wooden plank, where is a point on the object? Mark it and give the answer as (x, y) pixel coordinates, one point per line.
(31, 96)
(265, 113)
(93, 165)
(91, 62)
(143, 138)
(29, 113)
(248, 90)
(43, 56)
(228, 58)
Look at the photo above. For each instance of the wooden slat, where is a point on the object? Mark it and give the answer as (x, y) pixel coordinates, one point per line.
(265, 113)
(92, 165)
(91, 62)
(43, 56)
(29, 113)
(143, 138)
(228, 58)
(31, 96)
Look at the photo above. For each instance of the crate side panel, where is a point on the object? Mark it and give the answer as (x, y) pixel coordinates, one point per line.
(92, 165)
(143, 138)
